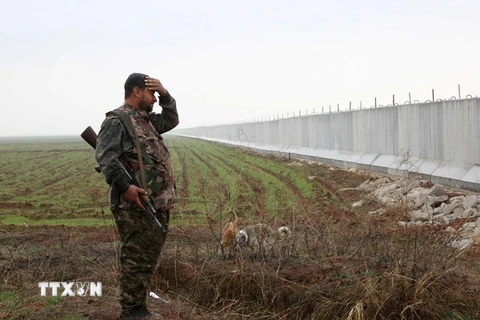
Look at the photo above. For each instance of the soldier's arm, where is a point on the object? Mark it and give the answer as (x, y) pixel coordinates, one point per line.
(109, 150)
(168, 118)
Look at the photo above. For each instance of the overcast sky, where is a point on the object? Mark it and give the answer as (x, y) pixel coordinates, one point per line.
(63, 63)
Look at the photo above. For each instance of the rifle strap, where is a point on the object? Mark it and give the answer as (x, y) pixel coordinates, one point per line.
(133, 134)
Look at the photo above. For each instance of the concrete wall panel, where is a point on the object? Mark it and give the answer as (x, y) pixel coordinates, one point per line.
(442, 132)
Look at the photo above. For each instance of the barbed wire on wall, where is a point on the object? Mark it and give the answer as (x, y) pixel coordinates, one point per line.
(299, 113)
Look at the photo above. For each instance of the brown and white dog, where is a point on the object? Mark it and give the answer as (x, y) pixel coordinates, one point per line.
(228, 233)
(259, 237)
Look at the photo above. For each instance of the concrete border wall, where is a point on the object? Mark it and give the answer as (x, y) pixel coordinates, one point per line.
(438, 141)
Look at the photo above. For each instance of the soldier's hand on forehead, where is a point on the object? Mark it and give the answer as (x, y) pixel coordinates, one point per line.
(155, 85)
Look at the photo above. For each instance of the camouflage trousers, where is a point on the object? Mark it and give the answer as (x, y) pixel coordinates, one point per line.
(141, 243)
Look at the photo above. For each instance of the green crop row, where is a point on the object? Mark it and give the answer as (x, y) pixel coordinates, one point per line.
(45, 180)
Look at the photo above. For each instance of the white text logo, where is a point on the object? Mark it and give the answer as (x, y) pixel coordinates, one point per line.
(71, 289)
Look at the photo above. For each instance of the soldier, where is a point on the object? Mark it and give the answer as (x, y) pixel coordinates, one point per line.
(141, 239)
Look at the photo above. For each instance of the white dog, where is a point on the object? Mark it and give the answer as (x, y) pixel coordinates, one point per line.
(259, 237)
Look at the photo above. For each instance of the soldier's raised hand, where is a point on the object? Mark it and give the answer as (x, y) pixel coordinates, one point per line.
(155, 85)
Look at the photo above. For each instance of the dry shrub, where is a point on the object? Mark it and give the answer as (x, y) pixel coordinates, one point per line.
(351, 268)
(251, 291)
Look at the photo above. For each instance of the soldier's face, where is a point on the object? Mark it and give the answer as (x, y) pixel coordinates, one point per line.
(147, 100)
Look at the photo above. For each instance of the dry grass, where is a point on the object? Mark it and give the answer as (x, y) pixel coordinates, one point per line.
(339, 262)
(348, 269)
(373, 271)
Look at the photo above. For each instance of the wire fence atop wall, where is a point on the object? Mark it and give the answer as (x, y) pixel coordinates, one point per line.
(329, 109)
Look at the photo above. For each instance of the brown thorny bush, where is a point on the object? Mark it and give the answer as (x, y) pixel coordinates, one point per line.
(357, 269)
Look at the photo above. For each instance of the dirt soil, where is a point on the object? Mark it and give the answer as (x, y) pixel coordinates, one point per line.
(336, 250)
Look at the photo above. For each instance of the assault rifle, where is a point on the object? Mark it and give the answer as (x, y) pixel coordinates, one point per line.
(90, 137)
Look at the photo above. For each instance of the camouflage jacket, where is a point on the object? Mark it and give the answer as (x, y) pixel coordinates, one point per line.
(114, 143)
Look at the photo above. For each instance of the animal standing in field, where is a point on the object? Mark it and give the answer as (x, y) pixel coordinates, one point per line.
(259, 237)
(228, 233)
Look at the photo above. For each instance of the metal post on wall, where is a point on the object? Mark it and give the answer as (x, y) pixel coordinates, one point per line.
(433, 95)
(375, 102)
(410, 98)
(459, 95)
(393, 103)
(338, 107)
(322, 109)
(350, 106)
(330, 108)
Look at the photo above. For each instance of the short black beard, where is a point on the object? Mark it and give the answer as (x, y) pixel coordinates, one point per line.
(145, 107)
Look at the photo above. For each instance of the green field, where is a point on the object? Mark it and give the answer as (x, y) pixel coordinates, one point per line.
(340, 261)
(48, 182)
